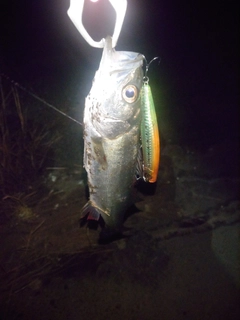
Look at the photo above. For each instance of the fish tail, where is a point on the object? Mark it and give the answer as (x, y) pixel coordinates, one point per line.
(90, 213)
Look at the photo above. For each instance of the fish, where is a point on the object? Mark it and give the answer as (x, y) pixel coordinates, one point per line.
(112, 122)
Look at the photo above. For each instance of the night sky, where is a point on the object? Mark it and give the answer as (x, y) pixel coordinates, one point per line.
(195, 86)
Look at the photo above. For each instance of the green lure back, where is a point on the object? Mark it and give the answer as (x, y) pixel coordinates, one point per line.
(149, 135)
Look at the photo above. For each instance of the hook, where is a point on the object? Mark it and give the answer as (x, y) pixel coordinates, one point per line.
(145, 77)
(75, 14)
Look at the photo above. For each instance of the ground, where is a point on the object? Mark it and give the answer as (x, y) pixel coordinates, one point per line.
(178, 259)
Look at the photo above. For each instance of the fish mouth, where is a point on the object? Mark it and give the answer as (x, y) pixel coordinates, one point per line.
(116, 61)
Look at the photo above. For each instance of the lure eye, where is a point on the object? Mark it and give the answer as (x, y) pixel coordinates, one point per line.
(130, 93)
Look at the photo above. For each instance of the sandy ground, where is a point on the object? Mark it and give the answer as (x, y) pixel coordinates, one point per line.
(179, 258)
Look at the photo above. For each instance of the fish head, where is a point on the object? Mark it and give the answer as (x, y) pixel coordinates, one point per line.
(115, 94)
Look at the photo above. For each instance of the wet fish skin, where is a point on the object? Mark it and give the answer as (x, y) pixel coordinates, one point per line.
(112, 118)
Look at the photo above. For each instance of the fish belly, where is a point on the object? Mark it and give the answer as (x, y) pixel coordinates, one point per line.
(110, 166)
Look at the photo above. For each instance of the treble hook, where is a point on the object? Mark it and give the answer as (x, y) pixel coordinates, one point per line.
(75, 14)
(145, 77)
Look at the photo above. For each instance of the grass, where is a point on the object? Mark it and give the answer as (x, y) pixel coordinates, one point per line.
(26, 147)
(25, 143)
(38, 223)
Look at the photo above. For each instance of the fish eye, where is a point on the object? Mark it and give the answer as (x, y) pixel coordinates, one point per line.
(130, 93)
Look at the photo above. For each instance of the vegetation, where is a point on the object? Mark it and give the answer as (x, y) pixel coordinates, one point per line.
(26, 145)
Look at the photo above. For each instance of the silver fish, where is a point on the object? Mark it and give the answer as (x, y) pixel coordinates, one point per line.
(112, 120)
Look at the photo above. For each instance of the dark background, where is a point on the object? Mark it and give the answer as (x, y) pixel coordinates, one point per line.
(195, 86)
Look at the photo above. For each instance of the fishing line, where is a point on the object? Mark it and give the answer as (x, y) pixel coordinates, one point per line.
(39, 99)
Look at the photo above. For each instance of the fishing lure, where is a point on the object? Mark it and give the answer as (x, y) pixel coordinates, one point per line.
(150, 138)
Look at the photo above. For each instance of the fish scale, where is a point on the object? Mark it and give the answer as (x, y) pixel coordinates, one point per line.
(112, 121)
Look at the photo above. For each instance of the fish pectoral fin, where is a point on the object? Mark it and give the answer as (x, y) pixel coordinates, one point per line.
(99, 152)
(91, 213)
